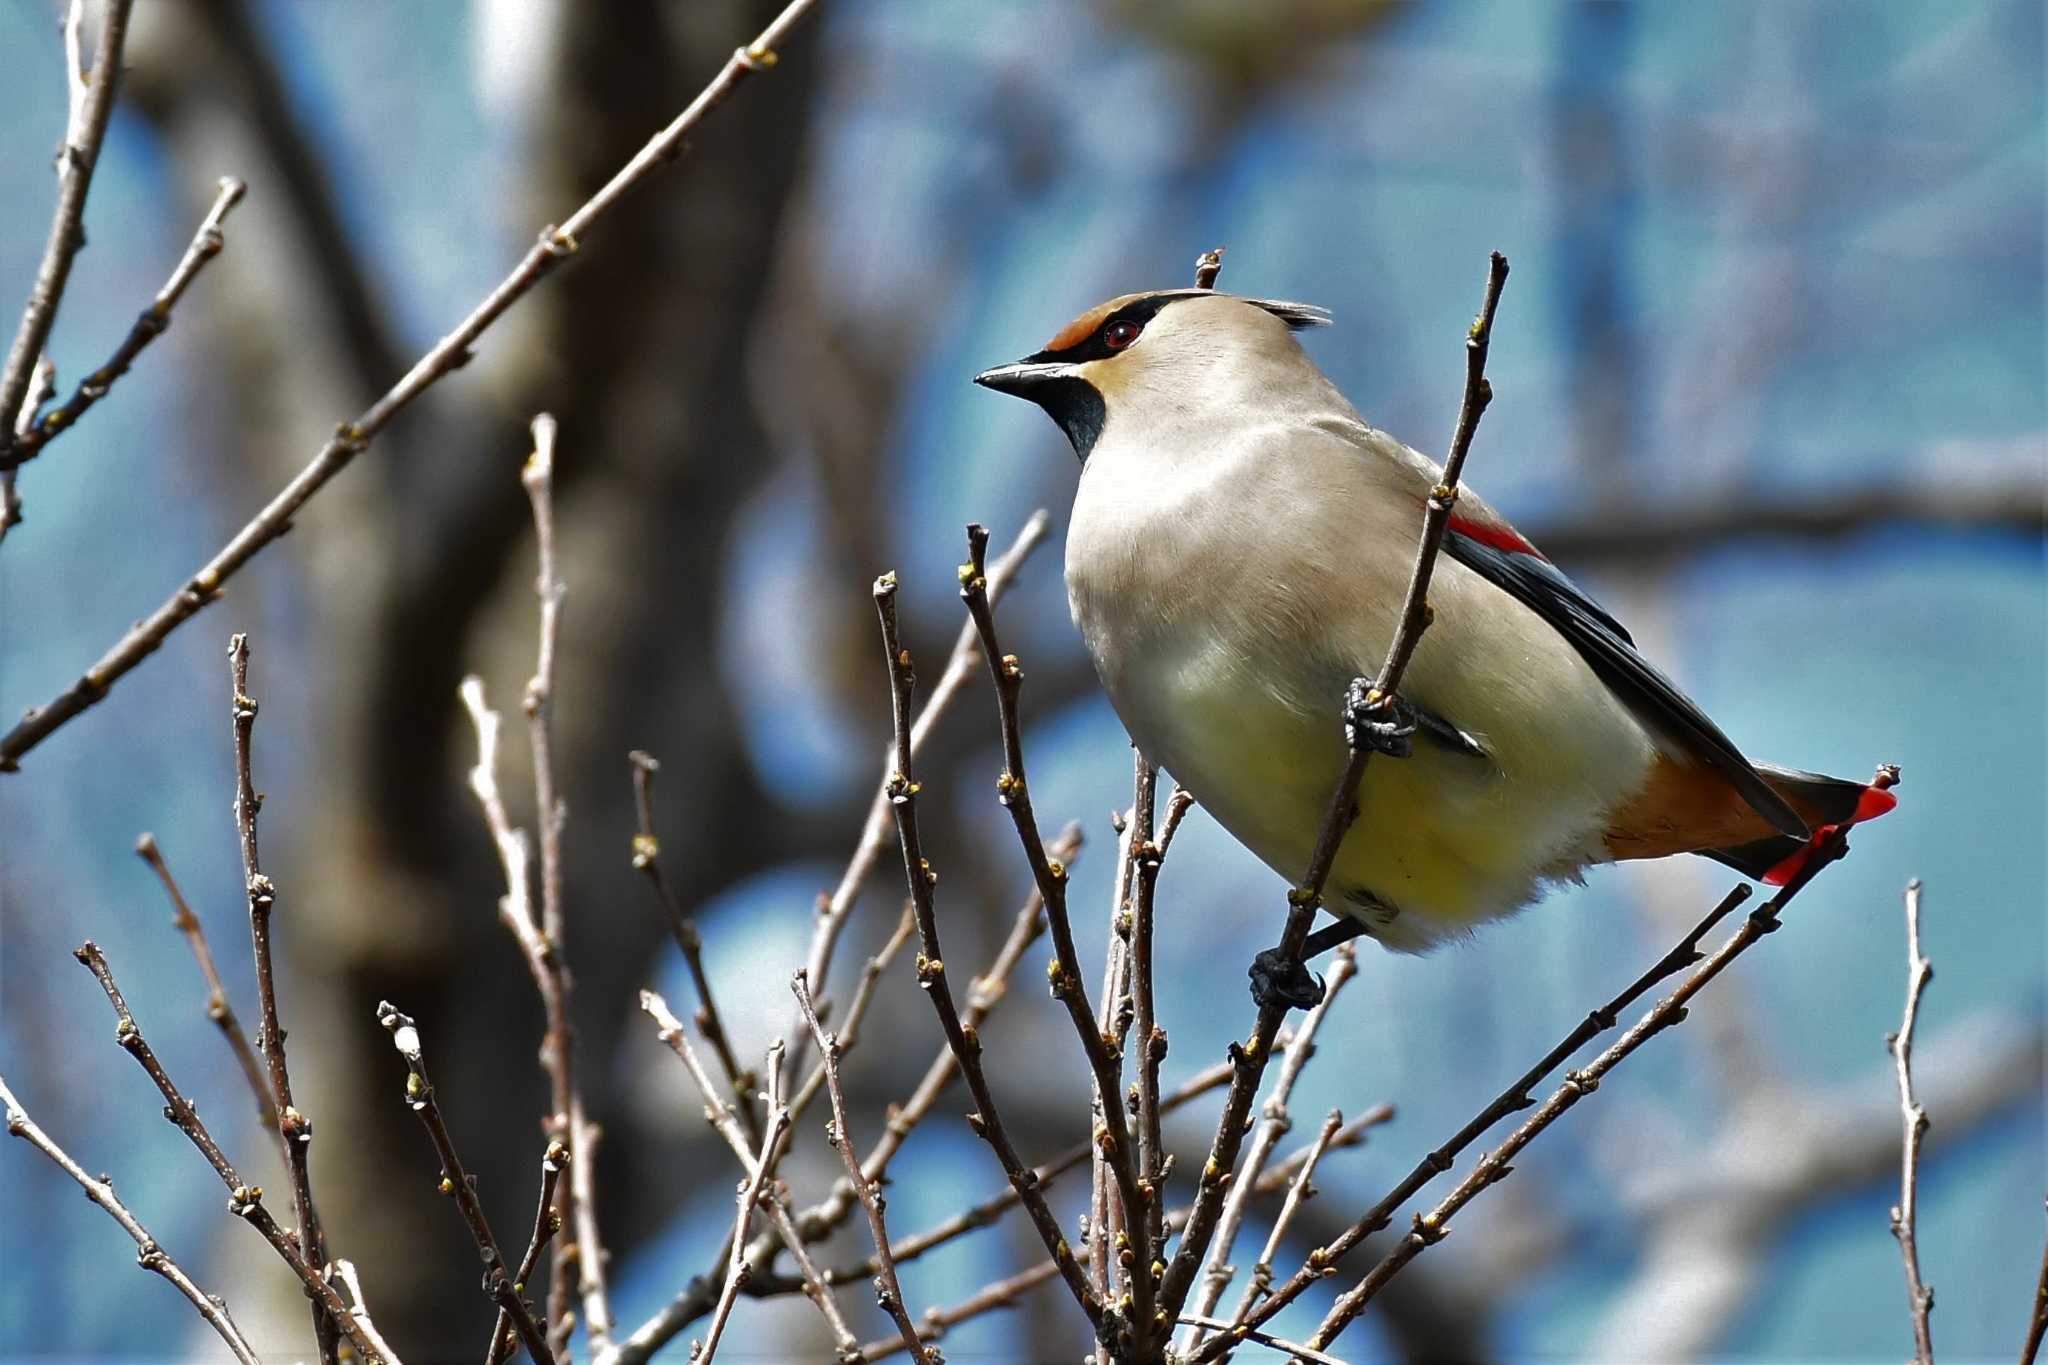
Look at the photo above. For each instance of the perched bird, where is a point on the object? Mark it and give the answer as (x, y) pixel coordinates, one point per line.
(1240, 549)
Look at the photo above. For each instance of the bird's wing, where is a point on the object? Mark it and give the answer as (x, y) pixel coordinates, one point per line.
(1491, 549)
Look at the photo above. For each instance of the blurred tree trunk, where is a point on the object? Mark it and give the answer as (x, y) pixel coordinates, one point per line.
(422, 571)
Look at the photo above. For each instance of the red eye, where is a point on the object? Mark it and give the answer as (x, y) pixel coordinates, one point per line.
(1120, 334)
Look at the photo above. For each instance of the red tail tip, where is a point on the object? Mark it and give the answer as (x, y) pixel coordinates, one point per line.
(1876, 800)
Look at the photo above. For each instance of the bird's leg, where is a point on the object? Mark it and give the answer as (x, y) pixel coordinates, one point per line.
(1378, 720)
(1345, 929)
(1375, 720)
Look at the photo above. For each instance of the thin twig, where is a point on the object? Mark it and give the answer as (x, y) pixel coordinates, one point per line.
(751, 1191)
(517, 912)
(556, 244)
(1251, 1058)
(879, 831)
(1299, 1191)
(1292, 1348)
(91, 103)
(985, 1213)
(856, 1012)
(294, 1129)
(1430, 1228)
(1004, 1293)
(344, 1270)
(245, 1201)
(153, 322)
(2037, 1326)
(931, 968)
(760, 1171)
(1147, 855)
(218, 1007)
(877, 834)
(1104, 1217)
(547, 1221)
(537, 476)
(42, 388)
(149, 1255)
(558, 1052)
(419, 1097)
(984, 993)
(888, 1287)
(1905, 1216)
(647, 860)
(1104, 1063)
(1273, 1126)
(1515, 1097)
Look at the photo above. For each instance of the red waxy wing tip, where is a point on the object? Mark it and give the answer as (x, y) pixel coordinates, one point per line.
(1502, 538)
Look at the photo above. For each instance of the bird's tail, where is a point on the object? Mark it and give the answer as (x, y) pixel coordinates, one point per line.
(1827, 804)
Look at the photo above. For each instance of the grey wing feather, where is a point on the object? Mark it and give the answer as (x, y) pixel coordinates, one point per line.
(1604, 644)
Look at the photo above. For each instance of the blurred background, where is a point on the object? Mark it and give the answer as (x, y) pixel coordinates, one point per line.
(1770, 381)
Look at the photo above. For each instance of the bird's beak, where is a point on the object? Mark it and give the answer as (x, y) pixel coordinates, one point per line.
(1020, 379)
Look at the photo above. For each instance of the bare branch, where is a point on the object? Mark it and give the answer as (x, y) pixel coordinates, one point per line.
(91, 95)
(419, 1097)
(931, 968)
(647, 860)
(153, 322)
(1293, 1349)
(294, 1129)
(558, 1051)
(1105, 1064)
(760, 1172)
(1905, 1220)
(1303, 901)
(985, 1213)
(1005, 1293)
(1104, 1218)
(1494, 1166)
(245, 1201)
(218, 1008)
(1515, 1097)
(2037, 1327)
(1273, 1126)
(1147, 855)
(42, 388)
(1002, 1294)
(888, 1288)
(878, 832)
(538, 478)
(149, 1255)
(1299, 1190)
(751, 1191)
(547, 1221)
(556, 245)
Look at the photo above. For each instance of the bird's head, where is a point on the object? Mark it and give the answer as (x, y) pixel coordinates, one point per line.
(1176, 348)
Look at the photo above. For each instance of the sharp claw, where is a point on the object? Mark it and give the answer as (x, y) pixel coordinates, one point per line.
(1378, 721)
(1278, 980)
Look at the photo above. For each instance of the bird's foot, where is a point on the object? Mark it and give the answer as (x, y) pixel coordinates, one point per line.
(1283, 982)
(1379, 721)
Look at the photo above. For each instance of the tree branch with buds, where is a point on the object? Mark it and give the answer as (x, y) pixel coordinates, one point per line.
(1905, 1214)
(149, 1253)
(458, 1183)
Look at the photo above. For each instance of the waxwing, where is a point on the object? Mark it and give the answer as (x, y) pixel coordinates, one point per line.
(1240, 549)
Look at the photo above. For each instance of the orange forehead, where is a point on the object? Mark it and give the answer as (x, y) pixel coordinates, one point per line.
(1083, 327)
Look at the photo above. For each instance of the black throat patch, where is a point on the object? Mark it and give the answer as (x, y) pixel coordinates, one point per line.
(1078, 407)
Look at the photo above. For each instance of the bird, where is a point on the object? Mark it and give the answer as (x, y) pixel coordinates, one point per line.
(1239, 552)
